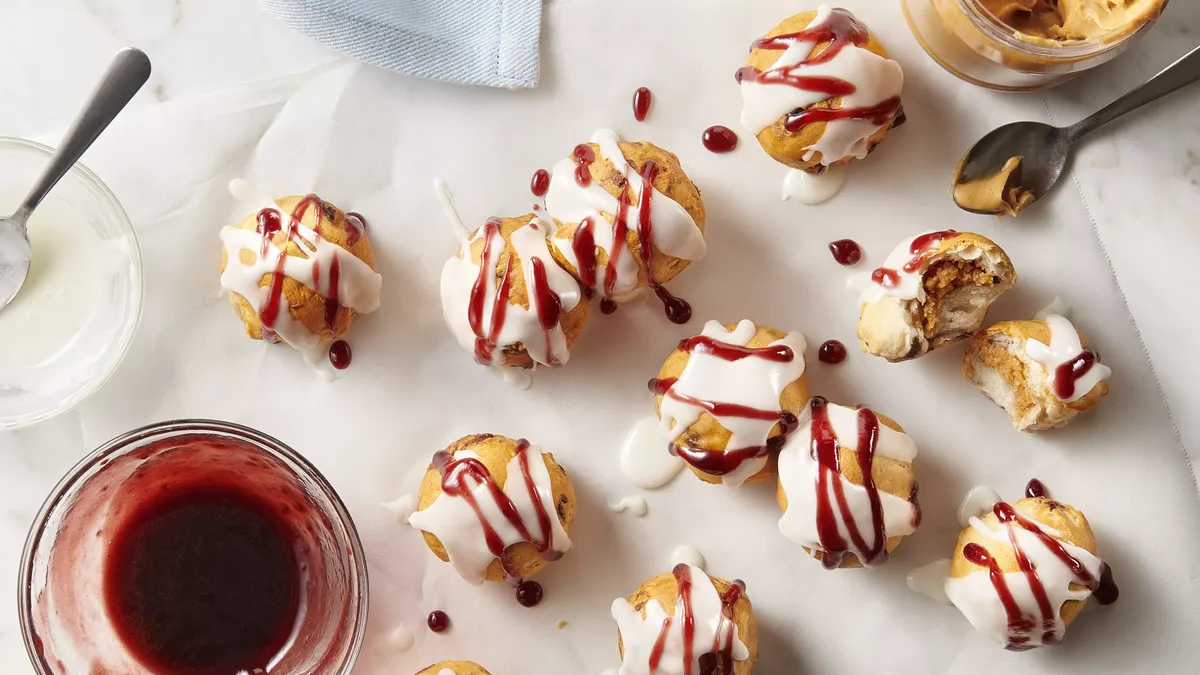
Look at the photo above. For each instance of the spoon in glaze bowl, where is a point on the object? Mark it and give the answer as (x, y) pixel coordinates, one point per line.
(126, 74)
(1019, 163)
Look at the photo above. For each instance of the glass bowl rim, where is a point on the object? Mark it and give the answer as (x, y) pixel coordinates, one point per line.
(174, 428)
(1067, 51)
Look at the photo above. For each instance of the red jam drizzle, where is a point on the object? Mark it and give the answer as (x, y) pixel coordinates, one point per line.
(845, 251)
(840, 30)
(529, 593)
(584, 156)
(438, 621)
(1036, 488)
(720, 659)
(724, 462)
(339, 354)
(357, 227)
(549, 306)
(1020, 624)
(641, 103)
(485, 343)
(461, 476)
(720, 139)
(920, 248)
(831, 351)
(1067, 374)
(539, 185)
(269, 223)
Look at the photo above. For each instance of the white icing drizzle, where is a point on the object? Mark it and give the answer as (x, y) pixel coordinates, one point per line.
(463, 532)
(908, 285)
(751, 382)
(517, 378)
(1056, 306)
(664, 633)
(688, 556)
(461, 275)
(401, 638)
(675, 233)
(799, 478)
(636, 506)
(1065, 347)
(875, 80)
(930, 580)
(807, 187)
(977, 598)
(357, 287)
(446, 671)
(645, 459)
(978, 501)
(402, 508)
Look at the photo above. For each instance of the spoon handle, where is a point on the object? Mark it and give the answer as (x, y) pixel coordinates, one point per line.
(1183, 72)
(126, 74)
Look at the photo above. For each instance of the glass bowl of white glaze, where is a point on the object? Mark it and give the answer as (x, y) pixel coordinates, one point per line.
(71, 324)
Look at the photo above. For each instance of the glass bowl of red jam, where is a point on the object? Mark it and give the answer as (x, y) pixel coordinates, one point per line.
(193, 548)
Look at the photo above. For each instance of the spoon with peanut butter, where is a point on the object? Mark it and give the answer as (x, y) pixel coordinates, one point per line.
(1017, 164)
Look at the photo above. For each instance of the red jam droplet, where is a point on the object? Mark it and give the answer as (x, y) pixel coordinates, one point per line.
(340, 355)
(608, 306)
(438, 621)
(720, 139)
(845, 251)
(1036, 488)
(529, 593)
(583, 155)
(641, 103)
(540, 183)
(832, 351)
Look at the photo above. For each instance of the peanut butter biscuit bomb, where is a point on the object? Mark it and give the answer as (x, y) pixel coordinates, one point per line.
(819, 91)
(846, 485)
(506, 299)
(454, 668)
(686, 623)
(1042, 372)
(729, 397)
(497, 509)
(1022, 572)
(629, 219)
(297, 271)
(934, 289)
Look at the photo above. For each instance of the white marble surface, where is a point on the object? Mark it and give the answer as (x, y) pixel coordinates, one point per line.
(1140, 180)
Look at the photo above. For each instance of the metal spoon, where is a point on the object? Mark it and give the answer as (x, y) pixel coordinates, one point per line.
(128, 72)
(1044, 149)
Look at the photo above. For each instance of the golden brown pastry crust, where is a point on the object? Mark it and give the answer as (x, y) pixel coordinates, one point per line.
(515, 355)
(707, 433)
(1034, 407)
(890, 475)
(671, 181)
(665, 589)
(304, 304)
(495, 452)
(789, 147)
(1072, 527)
(459, 668)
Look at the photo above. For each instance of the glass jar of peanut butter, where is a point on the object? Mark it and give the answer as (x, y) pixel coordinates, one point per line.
(1023, 45)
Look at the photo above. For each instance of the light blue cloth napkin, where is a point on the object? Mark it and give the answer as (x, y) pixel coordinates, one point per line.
(485, 42)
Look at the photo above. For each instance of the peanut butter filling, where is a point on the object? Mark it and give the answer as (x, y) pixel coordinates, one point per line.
(1067, 20)
(943, 277)
(1000, 193)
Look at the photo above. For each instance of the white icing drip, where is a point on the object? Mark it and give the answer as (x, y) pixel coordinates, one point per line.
(798, 477)
(401, 638)
(675, 233)
(976, 596)
(1057, 306)
(930, 580)
(446, 671)
(810, 188)
(978, 501)
(402, 508)
(1065, 346)
(446, 198)
(521, 324)
(876, 79)
(639, 635)
(634, 505)
(909, 286)
(688, 556)
(517, 378)
(454, 522)
(753, 382)
(645, 459)
(357, 288)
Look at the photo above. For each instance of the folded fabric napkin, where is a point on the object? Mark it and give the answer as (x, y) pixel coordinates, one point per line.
(484, 42)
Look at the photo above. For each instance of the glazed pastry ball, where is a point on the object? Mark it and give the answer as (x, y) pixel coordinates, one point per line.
(942, 299)
(707, 433)
(794, 148)
(671, 181)
(305, 305)
(454, 668)
(999, 363)
(495, 453)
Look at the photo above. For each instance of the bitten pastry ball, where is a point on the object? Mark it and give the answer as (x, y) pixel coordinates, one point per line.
(818, 89)
(628, 216)
(1042, 372)
(727, 399)
(724, 637)
(506, 299)
(298, 271)
(934, 289)
(1008, 605)
(833, 471)
(504, 477)
(454, 668)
